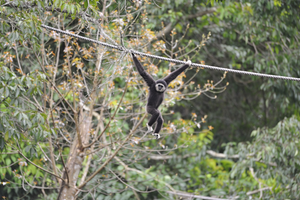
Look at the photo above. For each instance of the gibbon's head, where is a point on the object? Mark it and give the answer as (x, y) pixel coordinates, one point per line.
(160, 86)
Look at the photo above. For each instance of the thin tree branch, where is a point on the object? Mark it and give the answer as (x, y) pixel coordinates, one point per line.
(257, 191)
(202, 13)
(39, 166)
(236, 156)
(166, 29)
(54, 86)
(107, 125)
(222, 155)
(143, 173)
(165, 157)
(115, 153)
(192, 196)
(209, 152)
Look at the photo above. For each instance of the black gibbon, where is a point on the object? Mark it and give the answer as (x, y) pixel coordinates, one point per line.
(156, 93)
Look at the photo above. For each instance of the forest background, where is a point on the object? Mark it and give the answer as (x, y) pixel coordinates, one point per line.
(72, 113)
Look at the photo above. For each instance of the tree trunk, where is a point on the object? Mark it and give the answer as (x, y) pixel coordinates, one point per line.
(74, 164)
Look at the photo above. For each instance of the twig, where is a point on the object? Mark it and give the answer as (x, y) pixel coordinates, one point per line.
(221, 155)
(194, 196)
(119, 148)
(107, 125)
(39, 166)
(259, 190)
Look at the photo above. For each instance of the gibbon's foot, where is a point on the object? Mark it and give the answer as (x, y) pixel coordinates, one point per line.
(156, 135)
(189, 62)
(150, 129)
(162, 146)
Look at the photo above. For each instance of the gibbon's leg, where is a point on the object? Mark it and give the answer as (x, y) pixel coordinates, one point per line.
(158, 127)
(155, 114)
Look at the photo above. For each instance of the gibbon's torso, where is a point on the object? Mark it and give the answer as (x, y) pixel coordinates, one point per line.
(155, 98)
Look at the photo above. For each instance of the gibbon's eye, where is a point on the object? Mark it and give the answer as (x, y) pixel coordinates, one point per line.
(160, 87)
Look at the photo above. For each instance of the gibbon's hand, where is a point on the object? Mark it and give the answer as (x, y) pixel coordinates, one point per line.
(189, 62)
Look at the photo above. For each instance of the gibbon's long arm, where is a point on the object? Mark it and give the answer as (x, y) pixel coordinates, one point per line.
(175, 73)
(149, 80)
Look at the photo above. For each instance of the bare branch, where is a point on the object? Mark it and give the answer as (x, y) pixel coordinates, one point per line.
(202, 13)
(192, 196)
(222, 155)
(257, 191)
(107, 125)
(166, 30)
(39, 166)
(164, 157)
(115, 153)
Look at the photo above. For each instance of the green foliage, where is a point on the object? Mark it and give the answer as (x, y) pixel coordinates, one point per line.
(14, 168)
(274, 156)
(252, 36)
(17, 118)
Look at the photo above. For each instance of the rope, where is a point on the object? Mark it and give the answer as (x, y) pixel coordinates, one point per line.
(120, 48)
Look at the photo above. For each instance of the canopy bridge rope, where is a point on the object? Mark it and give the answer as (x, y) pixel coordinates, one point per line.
(121, 48)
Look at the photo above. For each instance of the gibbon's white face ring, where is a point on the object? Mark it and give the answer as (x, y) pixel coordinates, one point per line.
(160, 87)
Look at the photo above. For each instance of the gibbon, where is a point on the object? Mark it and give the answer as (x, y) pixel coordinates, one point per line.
(156, 93)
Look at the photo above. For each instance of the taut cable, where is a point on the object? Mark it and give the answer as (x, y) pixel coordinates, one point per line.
(120, 48)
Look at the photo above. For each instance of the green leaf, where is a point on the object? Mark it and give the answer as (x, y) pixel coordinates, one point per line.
(6, 136)
(7, 161)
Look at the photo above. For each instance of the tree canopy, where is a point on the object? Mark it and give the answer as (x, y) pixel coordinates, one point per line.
(72, 113)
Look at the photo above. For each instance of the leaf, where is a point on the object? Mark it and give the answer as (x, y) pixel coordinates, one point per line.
(6, 136)
(7, 161)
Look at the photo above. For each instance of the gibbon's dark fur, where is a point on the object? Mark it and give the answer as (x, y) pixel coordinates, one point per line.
(156, 93)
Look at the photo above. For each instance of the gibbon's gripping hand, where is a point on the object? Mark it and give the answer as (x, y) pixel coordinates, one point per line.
(189, 63)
